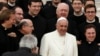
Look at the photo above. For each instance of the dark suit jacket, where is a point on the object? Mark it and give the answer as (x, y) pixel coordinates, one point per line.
(98, 53)
(21, 52)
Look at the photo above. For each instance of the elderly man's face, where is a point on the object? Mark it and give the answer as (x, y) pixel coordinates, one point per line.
(62, 11)
(28, 29)
(62, 27)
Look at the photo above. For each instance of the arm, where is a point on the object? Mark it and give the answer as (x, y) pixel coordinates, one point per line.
(75, 47)
(44, 46)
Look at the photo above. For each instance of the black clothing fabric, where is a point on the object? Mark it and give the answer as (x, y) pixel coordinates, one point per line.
(81, 30)
(86, 49)
(48, 11)
(97, 19)
(98, 53)
(51, 24)
(4, 40)
(23, 4)
(19, 35)
(39, 24)
(21, 52)
(12, 39)
(78, 19)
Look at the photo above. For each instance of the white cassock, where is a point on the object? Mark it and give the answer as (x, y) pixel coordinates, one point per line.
(52, 44)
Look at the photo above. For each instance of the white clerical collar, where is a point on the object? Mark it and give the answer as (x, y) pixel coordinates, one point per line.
(78, 14)
(33, 16)
(90, 21)
(11, 4)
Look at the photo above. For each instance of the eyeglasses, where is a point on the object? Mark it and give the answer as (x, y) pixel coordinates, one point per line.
(90, 11)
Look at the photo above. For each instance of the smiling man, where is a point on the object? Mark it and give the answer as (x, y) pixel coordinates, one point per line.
(58, 42)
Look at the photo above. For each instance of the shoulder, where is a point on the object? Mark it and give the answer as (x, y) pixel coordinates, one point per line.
(8, 54)
(70, 36)
(49, 35)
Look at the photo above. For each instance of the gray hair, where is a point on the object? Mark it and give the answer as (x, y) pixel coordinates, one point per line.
(23, 22)
(29, 41)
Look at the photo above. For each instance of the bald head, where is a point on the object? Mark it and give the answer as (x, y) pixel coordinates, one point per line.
(26, 26)
(25, 20)
(62, 10)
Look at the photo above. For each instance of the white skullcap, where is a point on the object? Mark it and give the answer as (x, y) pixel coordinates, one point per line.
(61, 18)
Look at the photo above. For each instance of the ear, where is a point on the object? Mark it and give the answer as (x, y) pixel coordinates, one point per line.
(23, 27)
(28, 6)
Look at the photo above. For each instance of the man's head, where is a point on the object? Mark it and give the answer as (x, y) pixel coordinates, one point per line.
(56, 2)
(34, 7)
(90, 12)
(3, 6)
(26, 26)
(77, 5)
(90, 32)
(18, 13)
(62, 25)
(89, 2)
(28, 41)
(7, 18)
(62, 10)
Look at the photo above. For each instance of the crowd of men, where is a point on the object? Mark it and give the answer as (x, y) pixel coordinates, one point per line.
(59, 28)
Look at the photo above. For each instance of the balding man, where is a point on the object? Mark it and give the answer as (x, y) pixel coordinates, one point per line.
(58, 42)
(62, 10)
(24, 27)
(28, 47)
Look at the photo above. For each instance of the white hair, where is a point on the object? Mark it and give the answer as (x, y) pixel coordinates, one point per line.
(62, 5)
(62, 18)
(29, 41)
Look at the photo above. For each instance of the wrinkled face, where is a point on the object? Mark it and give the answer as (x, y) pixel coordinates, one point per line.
(11, 20)
(28, 28)
(90, 13)
(19, 14)
(62, 27)
(90, 34)
(62, 11)
(77, 5)
(35, 8)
